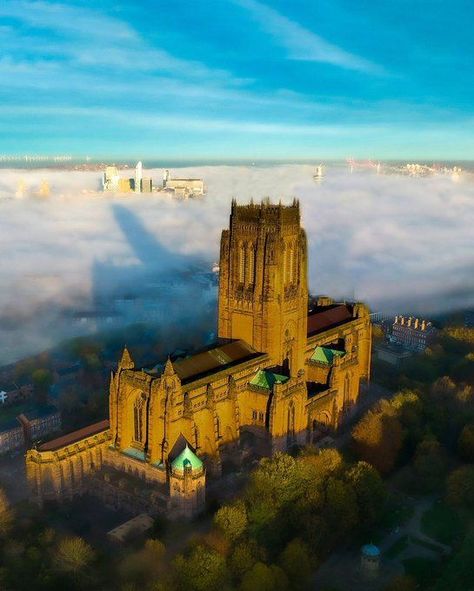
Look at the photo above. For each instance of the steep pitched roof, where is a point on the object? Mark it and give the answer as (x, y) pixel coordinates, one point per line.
(326, 317)
(325, 355)
(126, 362)
(186, 459)
(213, 359)
(75, 436)
(266, 379)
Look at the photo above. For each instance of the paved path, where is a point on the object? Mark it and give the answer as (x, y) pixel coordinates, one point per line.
(412, 529)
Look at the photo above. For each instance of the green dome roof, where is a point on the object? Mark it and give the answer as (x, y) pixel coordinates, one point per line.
(186, 459)
(370, 550)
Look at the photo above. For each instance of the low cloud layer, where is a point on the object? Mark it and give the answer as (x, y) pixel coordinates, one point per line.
(402, 245)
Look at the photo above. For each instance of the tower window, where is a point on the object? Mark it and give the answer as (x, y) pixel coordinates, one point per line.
(291, 266)
(138, 420)
(241, 263)
(250, 265)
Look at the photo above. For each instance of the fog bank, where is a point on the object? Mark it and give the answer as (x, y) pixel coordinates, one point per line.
(401, 244)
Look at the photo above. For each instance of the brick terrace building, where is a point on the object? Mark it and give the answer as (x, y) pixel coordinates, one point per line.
(412, 333)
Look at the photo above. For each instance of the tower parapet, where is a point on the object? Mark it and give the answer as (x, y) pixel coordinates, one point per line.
(266, 211)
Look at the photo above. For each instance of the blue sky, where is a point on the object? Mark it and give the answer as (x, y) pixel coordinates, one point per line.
(284, 79)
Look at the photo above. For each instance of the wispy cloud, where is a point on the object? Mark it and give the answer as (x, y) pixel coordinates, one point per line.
(301, 43)
(169, 121)
(88, 38)
(62, 17)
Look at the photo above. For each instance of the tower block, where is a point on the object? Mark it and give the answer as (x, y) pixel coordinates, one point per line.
(263, 290)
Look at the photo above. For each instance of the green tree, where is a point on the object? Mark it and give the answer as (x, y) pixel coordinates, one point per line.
(370, 492)
(409, 410)
(340, 510)
(244, 556)
(6, 515)
(202, 570)
(378, 437)
(430, 464)
(460, 487)
(264, 578)
(232, 520)
(318, 466)
(73, 555)
(295, 561)
(144, 566)
(42, 380)
(275, 479)
(457, 575)
(466, 443)
(402, 583)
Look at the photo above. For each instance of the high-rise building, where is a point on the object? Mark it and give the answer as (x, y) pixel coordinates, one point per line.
(138, 177)
(147, 185)
(44, 190)
(124, 185)
(111, 179)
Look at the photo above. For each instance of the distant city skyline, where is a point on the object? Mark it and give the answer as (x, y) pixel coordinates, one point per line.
(248, 79)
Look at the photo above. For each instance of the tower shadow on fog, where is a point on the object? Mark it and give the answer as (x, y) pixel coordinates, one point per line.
(159, 287)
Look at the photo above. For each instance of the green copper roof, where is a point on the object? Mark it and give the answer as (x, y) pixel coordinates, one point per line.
(135, 453)
(326, 355)
(187, 459)
(265, 379)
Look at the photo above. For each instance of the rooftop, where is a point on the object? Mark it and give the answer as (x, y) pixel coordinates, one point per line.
(325, 317)
(266, 379)
(370, 550)
(74, 436)
(217, 357)
(325, 355)
(9, 414)
(137, 525)
(187, 459)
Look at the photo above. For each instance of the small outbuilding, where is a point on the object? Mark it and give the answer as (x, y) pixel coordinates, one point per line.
(370, 560)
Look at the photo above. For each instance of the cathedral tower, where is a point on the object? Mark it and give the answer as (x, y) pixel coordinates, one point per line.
(263, 291)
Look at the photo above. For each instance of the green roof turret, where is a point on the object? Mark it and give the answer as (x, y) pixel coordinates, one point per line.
(187, 459)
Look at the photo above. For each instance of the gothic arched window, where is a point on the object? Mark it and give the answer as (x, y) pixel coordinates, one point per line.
(250, 265)
(138, 420)
(241, 263)
(291, 424)
(196, 437)
(291, 266)
(347, 389)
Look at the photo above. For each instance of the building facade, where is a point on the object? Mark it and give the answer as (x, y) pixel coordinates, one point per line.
(183, 187)
(26, 423)
(278, 376)
(412, 333)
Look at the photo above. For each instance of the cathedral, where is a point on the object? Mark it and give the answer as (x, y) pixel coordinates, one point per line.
(281, 374)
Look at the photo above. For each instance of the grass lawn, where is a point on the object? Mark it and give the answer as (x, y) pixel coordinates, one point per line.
(425, 544)
(398, 512)
(423, 570)
(397, 547)
(442, 523)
